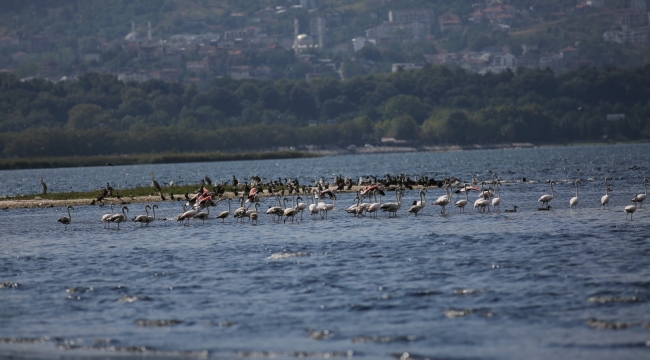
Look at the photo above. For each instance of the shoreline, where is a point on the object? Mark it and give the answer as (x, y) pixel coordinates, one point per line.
(174, 158)
(38, 202)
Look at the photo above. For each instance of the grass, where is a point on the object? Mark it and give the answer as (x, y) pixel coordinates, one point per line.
(140, 159)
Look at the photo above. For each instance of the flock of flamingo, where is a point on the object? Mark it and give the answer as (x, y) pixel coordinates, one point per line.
(323, 200)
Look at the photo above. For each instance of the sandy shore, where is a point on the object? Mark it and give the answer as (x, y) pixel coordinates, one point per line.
(38, 202)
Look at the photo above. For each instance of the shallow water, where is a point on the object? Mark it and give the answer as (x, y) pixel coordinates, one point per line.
(532, 284)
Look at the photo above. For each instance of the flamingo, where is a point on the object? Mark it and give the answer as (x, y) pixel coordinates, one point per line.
(460, 204)
(277, 210)
(150, 219)
(418, 205)
(356, 209)
(224, 214)
(203, 215)
(106, 217)
(630, 209)
(118, 218)
(374, 207)
(496, 201)
(313, 208)
(444, 200)
(248, 213)
(325, 207)
(301, 207)
(392, 208)
(290, 212)
(142, 218)
(65, 220)
(187, 215)
(484, 199)
(574, 200)
(545, 199)
(605, 199)
(240, 211)
(638, 198)
(252, 215)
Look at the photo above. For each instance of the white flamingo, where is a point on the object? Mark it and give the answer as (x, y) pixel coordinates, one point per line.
(118, 218)
(374, 207)
(444, 200)
(415, 209)
(187, 215)
(276, 210)
(224, 214)
(496, 201)
(142, 218)
(313, 208)
(325, 208)
(545, 199)
(630, 209)
(203, 215)
(65, 220)
(241, 210)
(290, 212)
(392, 208)
(248, 213)
(150, 219)
(605, 199)
(460, 204)
(106, 217)
(638, 198)
(574, 200)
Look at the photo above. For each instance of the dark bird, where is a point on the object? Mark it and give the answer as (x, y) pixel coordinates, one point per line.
(512, 211)
(154, 183)
(208, 180)
(187, 197)
(171, 196)
(44, 187)
(102, 195)
(110, 190)
(65, 220)
(162, 197)
(109, 164)
(234, 181)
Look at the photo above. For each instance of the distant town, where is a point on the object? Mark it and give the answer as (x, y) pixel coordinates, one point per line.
(236, 52)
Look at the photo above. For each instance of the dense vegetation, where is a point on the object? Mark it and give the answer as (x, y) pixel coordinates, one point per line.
(99, 115)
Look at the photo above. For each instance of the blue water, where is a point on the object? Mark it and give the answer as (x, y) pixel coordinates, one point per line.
(532, 284)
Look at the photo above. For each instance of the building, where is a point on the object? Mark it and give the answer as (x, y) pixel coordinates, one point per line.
(405, 66)
(197, 65)
(635, 37)
(569, 53)
(423, 16)
(596, 3)
(239, 72)
(317, 30)
(450, 22)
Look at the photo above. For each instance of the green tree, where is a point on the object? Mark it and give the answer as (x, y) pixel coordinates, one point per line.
(405, 105)
(88, 116)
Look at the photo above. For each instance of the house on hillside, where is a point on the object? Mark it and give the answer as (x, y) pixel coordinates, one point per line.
(450, 22)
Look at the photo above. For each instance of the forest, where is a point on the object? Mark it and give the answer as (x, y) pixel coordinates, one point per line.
(99, 115)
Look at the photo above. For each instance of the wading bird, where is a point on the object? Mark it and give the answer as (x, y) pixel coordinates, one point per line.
(65, 220)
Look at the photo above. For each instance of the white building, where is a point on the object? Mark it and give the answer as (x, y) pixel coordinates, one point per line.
(405, 66)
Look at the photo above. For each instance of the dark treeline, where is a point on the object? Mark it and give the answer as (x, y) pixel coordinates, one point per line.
(99, 115)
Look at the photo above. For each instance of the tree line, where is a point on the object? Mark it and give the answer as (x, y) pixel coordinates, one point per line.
(99, 115)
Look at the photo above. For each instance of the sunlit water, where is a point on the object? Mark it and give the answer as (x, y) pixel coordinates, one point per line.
(532, 284)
